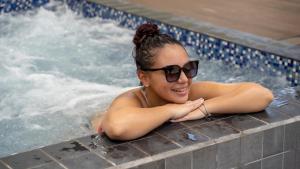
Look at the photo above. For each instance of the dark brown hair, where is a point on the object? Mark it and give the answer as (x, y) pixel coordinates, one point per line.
(148, 40)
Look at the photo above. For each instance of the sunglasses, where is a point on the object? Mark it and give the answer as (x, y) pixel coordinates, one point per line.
(173, 72)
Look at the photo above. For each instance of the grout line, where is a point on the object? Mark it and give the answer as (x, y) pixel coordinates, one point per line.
(137, 147)
(282, 160)
(262, 148)
(172, 141)
(282, 153)
(53, 158)
(265, 122)
(192, 159)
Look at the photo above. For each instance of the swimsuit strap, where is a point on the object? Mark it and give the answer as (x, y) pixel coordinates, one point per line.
(143, 91)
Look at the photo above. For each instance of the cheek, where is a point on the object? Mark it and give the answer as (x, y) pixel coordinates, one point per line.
(165, 92)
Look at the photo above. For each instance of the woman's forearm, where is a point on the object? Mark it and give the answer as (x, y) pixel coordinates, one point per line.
(132, 123)
(246, 99)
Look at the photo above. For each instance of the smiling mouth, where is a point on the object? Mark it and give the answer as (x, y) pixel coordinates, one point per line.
(180, 91)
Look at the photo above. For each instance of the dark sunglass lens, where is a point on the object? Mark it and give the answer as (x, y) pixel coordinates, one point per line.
(191, 69)
(172, 73)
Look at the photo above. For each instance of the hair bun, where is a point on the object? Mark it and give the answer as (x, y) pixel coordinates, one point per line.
(143, 31)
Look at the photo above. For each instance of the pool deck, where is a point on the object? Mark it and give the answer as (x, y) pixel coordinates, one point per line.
(275, 19)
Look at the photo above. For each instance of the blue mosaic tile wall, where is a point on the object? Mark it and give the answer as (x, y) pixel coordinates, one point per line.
(206, 46)
(20, 5)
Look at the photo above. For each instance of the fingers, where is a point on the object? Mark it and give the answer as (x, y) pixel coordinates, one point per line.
(196, 103)
(194, 115)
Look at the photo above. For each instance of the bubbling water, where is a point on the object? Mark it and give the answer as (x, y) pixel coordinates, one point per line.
(58, 69)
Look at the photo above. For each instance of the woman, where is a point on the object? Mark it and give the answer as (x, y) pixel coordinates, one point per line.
(168, 94)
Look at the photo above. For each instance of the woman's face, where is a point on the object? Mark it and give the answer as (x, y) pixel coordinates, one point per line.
(178, 91)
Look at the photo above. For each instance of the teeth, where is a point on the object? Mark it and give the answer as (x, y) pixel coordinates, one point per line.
(179, 90)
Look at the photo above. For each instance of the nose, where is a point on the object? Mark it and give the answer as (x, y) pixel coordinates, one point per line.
(182, 78)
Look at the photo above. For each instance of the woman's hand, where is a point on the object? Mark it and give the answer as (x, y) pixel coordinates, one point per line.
(97, 122)
(181, 110)
(194, 115)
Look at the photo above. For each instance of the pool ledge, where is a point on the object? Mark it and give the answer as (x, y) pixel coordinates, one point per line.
(261, 140)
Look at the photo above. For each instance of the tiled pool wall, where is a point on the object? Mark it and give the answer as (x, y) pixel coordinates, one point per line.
(7, 6)
(206, 46)
(265, 140)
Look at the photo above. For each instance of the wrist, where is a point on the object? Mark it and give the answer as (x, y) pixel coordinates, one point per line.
(204, 110)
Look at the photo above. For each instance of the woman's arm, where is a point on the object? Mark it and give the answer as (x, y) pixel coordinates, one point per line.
(247, 98)
(224, 98)
(126, 120)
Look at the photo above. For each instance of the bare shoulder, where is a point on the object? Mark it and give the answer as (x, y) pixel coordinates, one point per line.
(129, 99)
(211, 89)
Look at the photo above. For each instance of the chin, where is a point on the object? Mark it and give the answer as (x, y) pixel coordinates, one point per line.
(179, 100)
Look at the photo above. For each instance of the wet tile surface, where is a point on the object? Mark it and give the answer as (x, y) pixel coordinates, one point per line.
(291, 109)
(215, 129)
(205, 158)
(27, 159)
(68, 149)
(121, 153)
(243, 122)
(154, 144)
(181, 161)
(273, 141)
(169, 127)
(251, 147)
(90, 161)
(103, 140)
(52, 165)
(228, 154)
(270, 115)
(192, 123)
(116, 151)
(185, 136)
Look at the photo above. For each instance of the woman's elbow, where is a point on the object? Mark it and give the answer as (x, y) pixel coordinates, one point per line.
(265, 95)
(114, 131)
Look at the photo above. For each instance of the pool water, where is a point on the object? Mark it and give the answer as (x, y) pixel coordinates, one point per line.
(58, 69)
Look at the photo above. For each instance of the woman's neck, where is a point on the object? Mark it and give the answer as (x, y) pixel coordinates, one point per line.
(152, 98)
